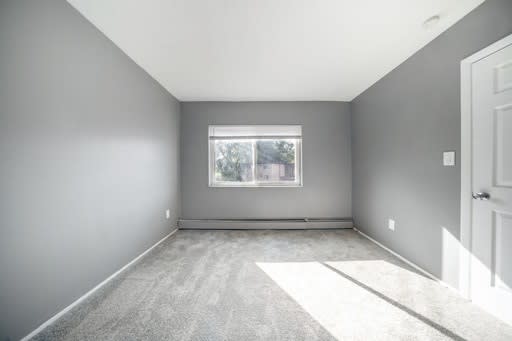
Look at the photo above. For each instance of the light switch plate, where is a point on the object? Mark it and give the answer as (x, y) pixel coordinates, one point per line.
(168, 214)
(391, 224)
(449, 158)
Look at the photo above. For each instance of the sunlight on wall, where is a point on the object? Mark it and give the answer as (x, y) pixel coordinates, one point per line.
(450, 258)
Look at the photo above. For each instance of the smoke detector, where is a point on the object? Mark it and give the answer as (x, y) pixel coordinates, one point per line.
(431, 22)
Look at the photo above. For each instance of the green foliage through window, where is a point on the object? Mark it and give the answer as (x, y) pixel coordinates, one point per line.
(275, 152)
(233, 160)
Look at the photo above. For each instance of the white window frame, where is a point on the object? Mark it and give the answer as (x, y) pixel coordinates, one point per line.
(263, 132)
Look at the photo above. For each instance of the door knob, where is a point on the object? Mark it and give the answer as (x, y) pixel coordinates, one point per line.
(481, 196)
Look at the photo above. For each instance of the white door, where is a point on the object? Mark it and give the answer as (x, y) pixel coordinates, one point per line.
(491, 264)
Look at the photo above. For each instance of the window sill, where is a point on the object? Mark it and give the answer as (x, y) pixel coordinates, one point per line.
(255, 185)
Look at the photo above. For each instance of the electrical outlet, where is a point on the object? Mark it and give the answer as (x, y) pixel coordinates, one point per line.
(449, 158)
(168, 214)
(391, 224)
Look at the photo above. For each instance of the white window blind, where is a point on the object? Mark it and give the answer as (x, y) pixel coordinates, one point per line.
(255, 132)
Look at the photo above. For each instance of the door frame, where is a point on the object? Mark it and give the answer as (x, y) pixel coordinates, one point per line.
(466, 201)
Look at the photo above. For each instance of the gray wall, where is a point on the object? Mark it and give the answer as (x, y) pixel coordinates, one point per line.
(400, 127)
(326, 161)
(89, 161)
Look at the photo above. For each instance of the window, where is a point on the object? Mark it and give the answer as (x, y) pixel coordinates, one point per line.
(255, 156)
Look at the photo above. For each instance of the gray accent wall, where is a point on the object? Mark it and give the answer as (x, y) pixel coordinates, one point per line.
(326, 162)
(400, 127)
(89, 161)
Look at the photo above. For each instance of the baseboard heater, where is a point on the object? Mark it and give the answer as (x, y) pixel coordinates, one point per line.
(266, 224)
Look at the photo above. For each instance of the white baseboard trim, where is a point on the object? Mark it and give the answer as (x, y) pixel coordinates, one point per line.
(90, 292)
(405, 260)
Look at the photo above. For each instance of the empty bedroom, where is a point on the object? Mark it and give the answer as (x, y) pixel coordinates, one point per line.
(255, 170)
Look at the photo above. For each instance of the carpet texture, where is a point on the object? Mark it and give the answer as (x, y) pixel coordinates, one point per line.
(274, 285)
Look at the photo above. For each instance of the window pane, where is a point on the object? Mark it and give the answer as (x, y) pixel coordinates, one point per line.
(275, 160)
(233, 160)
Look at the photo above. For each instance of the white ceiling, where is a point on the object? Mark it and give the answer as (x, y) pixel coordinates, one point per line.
(241, 50)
